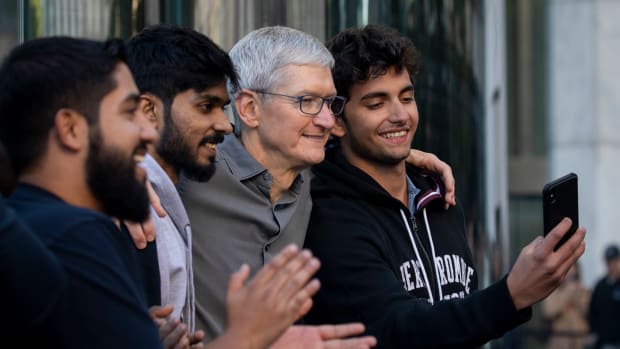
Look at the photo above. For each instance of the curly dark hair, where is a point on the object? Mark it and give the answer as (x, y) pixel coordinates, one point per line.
(365, 53)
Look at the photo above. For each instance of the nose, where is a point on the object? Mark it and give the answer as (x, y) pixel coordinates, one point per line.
(147, 131)
(148, 134)
(221, 122)
(399, 112)
(324, 118)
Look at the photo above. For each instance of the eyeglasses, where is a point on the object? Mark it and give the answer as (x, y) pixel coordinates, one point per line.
(312, 105)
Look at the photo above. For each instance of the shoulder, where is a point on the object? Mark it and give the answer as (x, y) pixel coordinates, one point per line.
(54, 220)
(337, 222)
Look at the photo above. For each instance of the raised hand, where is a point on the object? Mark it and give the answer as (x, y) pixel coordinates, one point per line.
(539, 270)
(431, 163)
(281, 292)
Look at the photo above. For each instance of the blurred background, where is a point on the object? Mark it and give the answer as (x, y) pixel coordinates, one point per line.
(512, 94)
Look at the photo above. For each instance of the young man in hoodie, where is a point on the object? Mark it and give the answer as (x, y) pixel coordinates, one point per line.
(392, 257)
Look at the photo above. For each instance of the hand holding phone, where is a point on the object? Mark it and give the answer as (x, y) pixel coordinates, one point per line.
(560, 199)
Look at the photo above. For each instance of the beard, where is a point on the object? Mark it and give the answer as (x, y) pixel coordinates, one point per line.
(112, 179)
(374, 155)
(175, 150)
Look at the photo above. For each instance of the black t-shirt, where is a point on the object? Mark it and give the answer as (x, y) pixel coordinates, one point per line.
(33, 286)
(106, 299)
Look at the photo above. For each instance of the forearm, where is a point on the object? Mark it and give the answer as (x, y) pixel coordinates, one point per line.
(456, 323)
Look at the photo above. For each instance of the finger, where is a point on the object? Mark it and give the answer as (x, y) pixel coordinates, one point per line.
(306, 293)
(572, 249)
(148, 228)
(305, 308)
(155, 201)
(302, 300)
(196, 338)
(273, 267)
(340, 331)
(575, 254)
(554, 236)
(158, 311)
(294, 275)
(182, 342)
(352, 343)
(177, 337)
(434, 164)
(237, 279)
(448, 181)
(573, 242)
(137, 234)
(166, 329)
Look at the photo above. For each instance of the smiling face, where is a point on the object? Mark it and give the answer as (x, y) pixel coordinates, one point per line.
(289, 138)
(380, 120)
(117, 143)
(193, 127)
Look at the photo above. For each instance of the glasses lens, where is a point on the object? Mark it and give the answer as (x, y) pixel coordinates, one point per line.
(337, 105)
(311, 104)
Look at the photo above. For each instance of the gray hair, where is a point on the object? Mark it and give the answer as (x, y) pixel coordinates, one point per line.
(260, 55)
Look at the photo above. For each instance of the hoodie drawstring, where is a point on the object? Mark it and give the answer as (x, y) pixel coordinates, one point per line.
(430, 239)
(417, 253)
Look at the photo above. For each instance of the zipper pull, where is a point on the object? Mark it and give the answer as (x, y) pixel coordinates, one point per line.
(414, 222)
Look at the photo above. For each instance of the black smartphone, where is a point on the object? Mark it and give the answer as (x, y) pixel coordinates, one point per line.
(560, 200)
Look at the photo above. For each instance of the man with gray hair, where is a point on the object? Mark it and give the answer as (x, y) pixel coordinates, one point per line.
(285, 107)
(258, 200)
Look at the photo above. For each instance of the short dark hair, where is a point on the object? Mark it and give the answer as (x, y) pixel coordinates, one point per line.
(166, 60)
(41, 76)
(368, 52)
(612, 252)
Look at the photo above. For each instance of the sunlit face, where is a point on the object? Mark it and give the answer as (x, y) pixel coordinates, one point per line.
(193, 127)
(380, 120)
(117, 143)
(289, 137)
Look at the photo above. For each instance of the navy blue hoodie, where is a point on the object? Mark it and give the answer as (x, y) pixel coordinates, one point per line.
(410, 279)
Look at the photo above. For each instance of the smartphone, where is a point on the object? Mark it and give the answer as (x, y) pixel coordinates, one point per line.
(560, 200)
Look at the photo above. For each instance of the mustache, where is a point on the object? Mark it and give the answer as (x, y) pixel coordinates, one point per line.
(141, 148)
(215, 138)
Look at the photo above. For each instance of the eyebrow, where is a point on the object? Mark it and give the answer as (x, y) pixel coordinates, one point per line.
(212, 99)
(132, 97)
(384, 94)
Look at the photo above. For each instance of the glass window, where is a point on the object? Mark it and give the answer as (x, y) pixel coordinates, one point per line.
(9, 26)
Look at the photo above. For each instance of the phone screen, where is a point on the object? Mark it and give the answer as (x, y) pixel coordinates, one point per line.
(560, 200)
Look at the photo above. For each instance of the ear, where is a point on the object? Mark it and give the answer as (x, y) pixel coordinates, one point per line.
(71, 128)
(339, 129)
(152, 109)
(248, 107)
